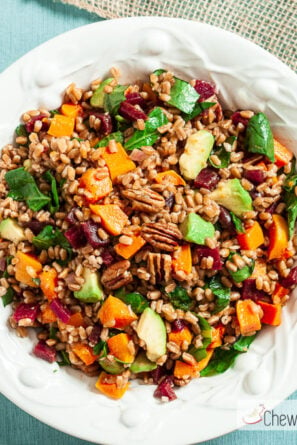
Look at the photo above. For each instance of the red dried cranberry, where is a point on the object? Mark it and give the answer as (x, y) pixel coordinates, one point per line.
(130, 112)
(291, 279)
(60, 310)
(204, 252)
(225, 219)
(255, 194)
(24, 310)
(90, 229)
(2, 264)
(71, 217)
(76, 237)
(256, 176)
(178, 325)
(35, 226)
(45, 352)
(135, 99)
(207, 178)
(158, 373)
(30, 124)
(271, 209)
(165, 389)
(250, 291)
(105, 122)
(205, 89)
(94, 336)
(237, 118)
(169, 201)
(107, 257)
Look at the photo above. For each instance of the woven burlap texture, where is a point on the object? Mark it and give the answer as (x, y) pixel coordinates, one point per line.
(271, 24)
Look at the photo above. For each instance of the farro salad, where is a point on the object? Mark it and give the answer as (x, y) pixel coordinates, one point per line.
(145, 231)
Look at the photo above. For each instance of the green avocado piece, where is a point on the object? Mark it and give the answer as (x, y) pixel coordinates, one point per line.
(10, 230)
(142, 364)
(151, 329)
(195, 229)
(196, 153)
(91, 291)
(111, 366)
(97, 100)
(233, 196)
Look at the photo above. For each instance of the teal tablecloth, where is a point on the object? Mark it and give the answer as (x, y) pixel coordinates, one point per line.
(25, 24)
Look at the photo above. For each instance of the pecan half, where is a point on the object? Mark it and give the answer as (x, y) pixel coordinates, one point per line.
(117, 275)
(159, 267)
(163, 236)
(145, 200)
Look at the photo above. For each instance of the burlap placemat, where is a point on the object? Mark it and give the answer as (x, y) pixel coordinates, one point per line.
(271, 24)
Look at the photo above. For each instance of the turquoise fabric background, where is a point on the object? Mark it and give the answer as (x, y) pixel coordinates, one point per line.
(24, 25)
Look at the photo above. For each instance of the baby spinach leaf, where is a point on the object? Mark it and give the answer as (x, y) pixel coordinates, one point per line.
(55, 204)
(8, 296)
(113, 100)
(290, 198)
(53, 333)
(241, 274)
(221, 292)
(53, 112)
(117, 136)
(222, 153)
(243, 343)
(259, 137)
(137, 301)
(200, 352)
(50, 237)
(23, 187)
(180, 299)
(64, 359)
(21, 131)
(220, 362)
(198, 109)
(182, 95)
(237, 223)
(100, 349)
(150, 134)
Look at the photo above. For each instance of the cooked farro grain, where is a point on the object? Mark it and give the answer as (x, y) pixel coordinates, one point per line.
(134, 251)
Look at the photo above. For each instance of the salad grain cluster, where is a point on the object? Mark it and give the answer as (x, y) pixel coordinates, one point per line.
(145, 231)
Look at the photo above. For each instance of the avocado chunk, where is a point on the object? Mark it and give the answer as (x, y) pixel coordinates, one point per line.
(151, 329)
(142, 364)
(91, 291)
(111, 365)
(233, 196)
(9, 229)
(97, 100)
(195, 229)
(196, 153)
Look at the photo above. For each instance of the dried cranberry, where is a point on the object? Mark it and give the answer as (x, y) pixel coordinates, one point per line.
(178, 325)
(204, 252)
(90, 229)
(225, 219)
(130, 112)
(255, 194)
(169, 201)
(60, 310)
(45, 352)
(237, 118)
(107, 257)
(291, 279)
(24, 310)
(35, 226)
(71, 217)
(2, 264)
(94, 336)
(165, 389)
(272, 207)
(205, 89)
(256, 176)
(105, 122)
(135, 99)
(76, 236)
(158, 374)
(250, 291)
(30, 124)
(207, 178)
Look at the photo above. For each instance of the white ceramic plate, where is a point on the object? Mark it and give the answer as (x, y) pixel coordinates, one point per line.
(248, 77)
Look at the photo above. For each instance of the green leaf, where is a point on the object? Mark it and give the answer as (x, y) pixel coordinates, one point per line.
(117, 136)
(198, 109)
(113, 100)
(65, 359)
(220, 362)
(36, 281)
(180, 299)
(53, 333)
(8, 296)
(259, 137)
(23, 187)
(237, 223)
(241, 274)
(49, 237)
(55, 204)
(53, 112)
(243, 343)
(290, 198)
(21, 131)
(150, 134)
(221, 292)
(100, 349)
(182, 95)
(222, 153)
(201, 352)
(137, 301)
